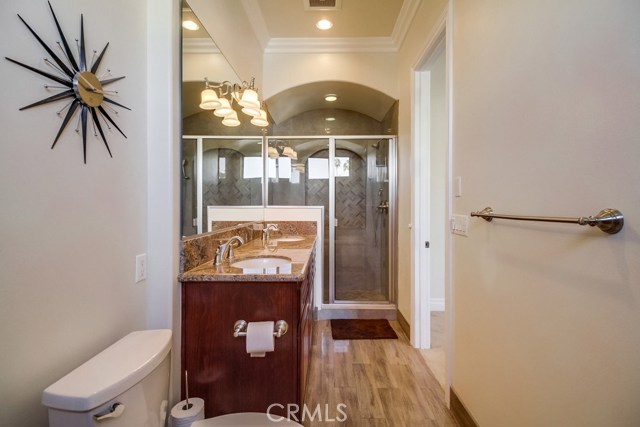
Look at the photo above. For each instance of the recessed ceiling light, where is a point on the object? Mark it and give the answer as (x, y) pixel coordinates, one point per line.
(330, 97)
(324, 24)
(190, 25)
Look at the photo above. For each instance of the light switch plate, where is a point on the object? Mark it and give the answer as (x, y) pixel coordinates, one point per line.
(460, 225)
(141, 267)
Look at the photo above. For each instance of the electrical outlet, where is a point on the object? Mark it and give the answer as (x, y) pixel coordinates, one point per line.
(141, 267)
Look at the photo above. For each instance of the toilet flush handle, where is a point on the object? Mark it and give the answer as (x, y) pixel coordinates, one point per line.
(114, 411)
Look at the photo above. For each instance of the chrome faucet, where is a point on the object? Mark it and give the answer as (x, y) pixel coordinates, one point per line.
(225, 250)
(266, 233)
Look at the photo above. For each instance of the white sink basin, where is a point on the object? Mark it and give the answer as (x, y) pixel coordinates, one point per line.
(289, 239)
(264, 265)
(261, 262)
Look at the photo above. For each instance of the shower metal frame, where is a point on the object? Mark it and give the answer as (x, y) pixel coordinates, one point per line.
(393, 223)
(393, 203)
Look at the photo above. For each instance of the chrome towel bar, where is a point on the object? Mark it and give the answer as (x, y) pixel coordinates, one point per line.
(240, 328)
(608, 220)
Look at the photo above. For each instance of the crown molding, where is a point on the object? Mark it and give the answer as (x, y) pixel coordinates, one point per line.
(405, 17)
(199, 45)
(331, 45)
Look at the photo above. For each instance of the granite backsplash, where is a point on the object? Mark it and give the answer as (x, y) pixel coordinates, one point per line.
(196, 250)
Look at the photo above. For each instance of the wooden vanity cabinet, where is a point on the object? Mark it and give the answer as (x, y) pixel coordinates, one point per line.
(219, 369)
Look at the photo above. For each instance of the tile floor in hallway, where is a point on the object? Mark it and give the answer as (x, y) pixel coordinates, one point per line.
(435, 356)
(383, 383)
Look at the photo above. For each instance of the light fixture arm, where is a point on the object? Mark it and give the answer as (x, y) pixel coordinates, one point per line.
(244, 94)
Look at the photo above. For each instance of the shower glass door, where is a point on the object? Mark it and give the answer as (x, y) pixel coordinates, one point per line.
(361, 194)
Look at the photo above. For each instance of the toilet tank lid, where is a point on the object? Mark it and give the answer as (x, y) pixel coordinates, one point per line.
(110, 373)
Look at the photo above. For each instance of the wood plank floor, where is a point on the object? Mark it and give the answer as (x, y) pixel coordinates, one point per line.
(383, 383)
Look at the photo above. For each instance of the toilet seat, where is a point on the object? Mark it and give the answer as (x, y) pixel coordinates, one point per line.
(247, 419)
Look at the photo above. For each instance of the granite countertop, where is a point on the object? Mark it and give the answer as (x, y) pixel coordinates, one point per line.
(298, 251)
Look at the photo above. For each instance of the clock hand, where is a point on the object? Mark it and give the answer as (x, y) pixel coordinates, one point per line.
(90, 87)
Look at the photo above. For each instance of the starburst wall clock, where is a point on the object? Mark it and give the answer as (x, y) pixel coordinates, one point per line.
(80, 86)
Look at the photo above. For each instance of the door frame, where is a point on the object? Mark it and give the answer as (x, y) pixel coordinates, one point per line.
(436, 44)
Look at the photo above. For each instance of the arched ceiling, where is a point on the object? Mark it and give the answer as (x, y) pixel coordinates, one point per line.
(310, 96)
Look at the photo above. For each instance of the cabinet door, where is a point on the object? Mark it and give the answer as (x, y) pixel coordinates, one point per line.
(220, 370)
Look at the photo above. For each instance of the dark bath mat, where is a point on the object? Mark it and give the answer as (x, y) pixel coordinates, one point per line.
(362, 329)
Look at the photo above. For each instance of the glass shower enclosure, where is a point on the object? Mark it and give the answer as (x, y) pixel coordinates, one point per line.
(352, 177)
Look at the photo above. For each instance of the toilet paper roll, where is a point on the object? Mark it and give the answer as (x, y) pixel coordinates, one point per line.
(183, 416)
(260, 338)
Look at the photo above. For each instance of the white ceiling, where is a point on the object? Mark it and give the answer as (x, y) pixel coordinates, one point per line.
(359, 25)
(355, 18)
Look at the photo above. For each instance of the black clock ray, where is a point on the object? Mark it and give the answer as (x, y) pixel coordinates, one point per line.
(68, 83)
(83, 56)
(94, 115)
(81, 85)
(96, 64)
(61, 64)
(67, 118)
(67, 49)
(83, 115)
(56, 97)
(106, 116)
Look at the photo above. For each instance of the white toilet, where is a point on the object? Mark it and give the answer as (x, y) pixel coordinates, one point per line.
(127, 385)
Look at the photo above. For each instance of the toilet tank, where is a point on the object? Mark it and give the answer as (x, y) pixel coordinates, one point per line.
(127, 384)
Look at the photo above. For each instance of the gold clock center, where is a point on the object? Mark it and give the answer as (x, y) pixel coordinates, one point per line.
(88, 88)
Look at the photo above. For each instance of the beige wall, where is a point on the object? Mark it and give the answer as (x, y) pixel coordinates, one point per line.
(70, 232)
(546, 108)
(423, 24)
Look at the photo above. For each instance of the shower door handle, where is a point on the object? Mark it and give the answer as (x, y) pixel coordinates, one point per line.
(335, 222)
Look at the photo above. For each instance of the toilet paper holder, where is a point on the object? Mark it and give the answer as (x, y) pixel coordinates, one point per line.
(240, 328)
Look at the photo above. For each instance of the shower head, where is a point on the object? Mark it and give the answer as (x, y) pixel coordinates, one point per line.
(376, 144)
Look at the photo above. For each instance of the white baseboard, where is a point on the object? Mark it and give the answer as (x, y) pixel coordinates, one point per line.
(436, 304)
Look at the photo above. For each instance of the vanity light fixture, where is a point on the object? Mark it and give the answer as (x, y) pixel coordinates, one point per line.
(260, 120)
(281, 148)
(324, 24)
(224, 109)
(231, 119)
(220, 97)
(331, 97)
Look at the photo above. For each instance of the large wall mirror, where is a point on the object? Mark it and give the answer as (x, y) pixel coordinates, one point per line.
(221, 165)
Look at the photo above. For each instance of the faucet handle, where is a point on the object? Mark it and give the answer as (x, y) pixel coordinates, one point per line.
(217, 258)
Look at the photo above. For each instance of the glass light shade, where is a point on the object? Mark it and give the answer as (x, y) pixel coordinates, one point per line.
(251, 111)
(224, 109)
(250, 99)
(231, 120)
(260, 120)
(209, 99)
(273, 153)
